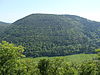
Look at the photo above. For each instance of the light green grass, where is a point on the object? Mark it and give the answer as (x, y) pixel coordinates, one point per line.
(78, 58)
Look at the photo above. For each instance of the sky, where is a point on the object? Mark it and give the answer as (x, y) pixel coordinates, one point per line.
(12, 10)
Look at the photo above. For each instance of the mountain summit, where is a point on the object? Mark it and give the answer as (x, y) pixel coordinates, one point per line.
(54, 35)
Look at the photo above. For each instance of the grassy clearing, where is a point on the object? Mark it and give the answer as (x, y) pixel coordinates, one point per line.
(78, 58)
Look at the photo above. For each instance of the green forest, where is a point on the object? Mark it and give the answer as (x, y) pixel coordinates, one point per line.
(13, 62)
(53, 35)
(49, 44)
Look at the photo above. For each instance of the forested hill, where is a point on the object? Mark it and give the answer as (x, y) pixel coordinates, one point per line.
(3, 26)
(54, 35)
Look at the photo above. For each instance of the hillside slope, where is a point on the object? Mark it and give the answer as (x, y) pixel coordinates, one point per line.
(3, 26)
(54, 35)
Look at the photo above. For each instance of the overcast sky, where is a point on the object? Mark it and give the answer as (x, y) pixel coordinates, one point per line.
(12, 10)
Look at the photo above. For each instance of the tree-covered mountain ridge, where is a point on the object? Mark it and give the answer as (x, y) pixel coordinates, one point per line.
(3, 26)
(54, 35)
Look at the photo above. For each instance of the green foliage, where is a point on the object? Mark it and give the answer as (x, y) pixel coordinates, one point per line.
(43, 66)
(9, 53)
(12, 63)
(56, 66)
(54, 35)
(90, 68)
(98, 51)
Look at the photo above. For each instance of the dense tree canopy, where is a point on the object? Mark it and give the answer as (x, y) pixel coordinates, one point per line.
(9, 54)
(54, 35)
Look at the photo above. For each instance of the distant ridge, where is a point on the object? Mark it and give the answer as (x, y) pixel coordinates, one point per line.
(3, 26)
